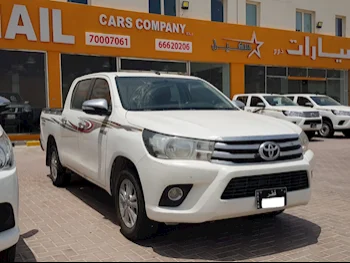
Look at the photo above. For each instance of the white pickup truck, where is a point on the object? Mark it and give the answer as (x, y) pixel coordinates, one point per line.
(173, 149)
(283, 108)
(336, 117)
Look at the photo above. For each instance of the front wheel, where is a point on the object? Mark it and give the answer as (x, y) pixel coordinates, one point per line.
(8, 255)
(346, 133)
(58, 173)
(327, 130)
(130, 206)
(310, 134)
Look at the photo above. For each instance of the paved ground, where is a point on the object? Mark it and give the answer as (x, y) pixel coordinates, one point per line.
(78, 224)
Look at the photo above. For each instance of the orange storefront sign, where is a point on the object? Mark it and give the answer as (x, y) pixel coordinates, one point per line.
(73, 28)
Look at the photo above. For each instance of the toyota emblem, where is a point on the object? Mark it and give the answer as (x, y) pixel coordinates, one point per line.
(269, 151)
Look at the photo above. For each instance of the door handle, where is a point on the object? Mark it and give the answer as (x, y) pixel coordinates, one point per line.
(64, 121)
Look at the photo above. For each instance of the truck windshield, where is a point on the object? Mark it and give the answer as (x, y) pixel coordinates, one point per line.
(159, 94)
(325, 101)
(279, 101)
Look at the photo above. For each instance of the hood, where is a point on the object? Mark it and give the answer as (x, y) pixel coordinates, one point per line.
(341, 108)
(211, 125)
(291, 108)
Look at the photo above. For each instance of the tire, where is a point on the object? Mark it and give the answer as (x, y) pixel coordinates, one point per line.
(58, 173)
(142, 228)
(346, 133)
(9, 255)
(310, 134)
(327, 130)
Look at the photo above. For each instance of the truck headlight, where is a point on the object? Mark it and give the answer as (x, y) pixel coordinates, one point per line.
(293, 113)
(6, 151)
(171, 147)
(304, 140)
(341, 113)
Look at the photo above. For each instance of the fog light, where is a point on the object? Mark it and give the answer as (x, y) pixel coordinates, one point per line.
(175, 194)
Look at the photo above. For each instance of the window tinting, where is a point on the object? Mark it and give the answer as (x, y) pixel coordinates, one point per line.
(317, 73)
(276, 71)
(255, 101)
(154, 7)
(79, 1)
(254, 79)
(339, 26)
(303, 101)
(299, 21)
(101, 91)
(217, 10)
(81, 94)
(336, 74)
(243, 99)
(297, 72)
(251, 15)
(170, 7)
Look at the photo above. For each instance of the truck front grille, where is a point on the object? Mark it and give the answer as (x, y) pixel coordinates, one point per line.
(243, 187)
(246, 149)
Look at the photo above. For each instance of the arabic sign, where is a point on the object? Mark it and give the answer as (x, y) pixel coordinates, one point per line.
(242, 45)
(314, 51)
(68, 28)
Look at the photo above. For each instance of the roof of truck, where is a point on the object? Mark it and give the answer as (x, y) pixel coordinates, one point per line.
(138, 74)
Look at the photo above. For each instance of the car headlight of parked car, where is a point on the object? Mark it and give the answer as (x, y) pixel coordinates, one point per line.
(171, 147)
(341, 113)
(6, 151)
(304, 140)
(293, 113)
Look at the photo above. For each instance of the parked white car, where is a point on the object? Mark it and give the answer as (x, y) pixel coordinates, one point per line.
(336, 117)
(281, 107)
(173, 149)
(9, 196)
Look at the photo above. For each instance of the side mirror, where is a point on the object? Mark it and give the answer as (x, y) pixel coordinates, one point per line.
(309, 104)
(4, 103)
(239, 104)
(96, 107)
(261, 105)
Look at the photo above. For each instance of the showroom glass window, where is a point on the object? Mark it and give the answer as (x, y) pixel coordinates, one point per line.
(74, 66)
(23, 82)
(217, 10)
(255, 79)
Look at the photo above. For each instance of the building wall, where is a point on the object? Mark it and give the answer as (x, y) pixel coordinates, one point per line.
(279, 14)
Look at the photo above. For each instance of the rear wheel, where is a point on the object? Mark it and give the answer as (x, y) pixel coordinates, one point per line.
(327, 130)
(130, 207)
(8, 255)
(346, 133)
(58, 173)
(310, 134)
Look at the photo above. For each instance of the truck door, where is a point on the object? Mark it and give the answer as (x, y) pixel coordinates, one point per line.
(93, 137)
(69, 150)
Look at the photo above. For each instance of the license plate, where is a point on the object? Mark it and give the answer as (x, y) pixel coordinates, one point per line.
(11, 116)
(313, 125)
(271, 198)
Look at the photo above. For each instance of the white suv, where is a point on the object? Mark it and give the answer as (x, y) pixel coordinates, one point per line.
(9, 230)
(336, 117)
(280, 107)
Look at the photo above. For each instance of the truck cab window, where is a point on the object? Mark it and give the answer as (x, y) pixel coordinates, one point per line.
(303, 101)
(101, 91)
(80, 94)
(243, 99)
(255, 101)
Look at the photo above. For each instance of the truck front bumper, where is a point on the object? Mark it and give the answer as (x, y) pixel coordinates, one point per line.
(9, 197)
(204, 201)
(341, 123)
(307, 124)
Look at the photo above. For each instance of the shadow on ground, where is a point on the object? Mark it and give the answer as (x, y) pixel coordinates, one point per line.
(229, 240)
(24, 254)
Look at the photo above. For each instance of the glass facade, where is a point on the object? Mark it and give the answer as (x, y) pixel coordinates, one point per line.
(282, 80)
(74, 66)
(23, 82)
(153, 65)
(216, 74)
